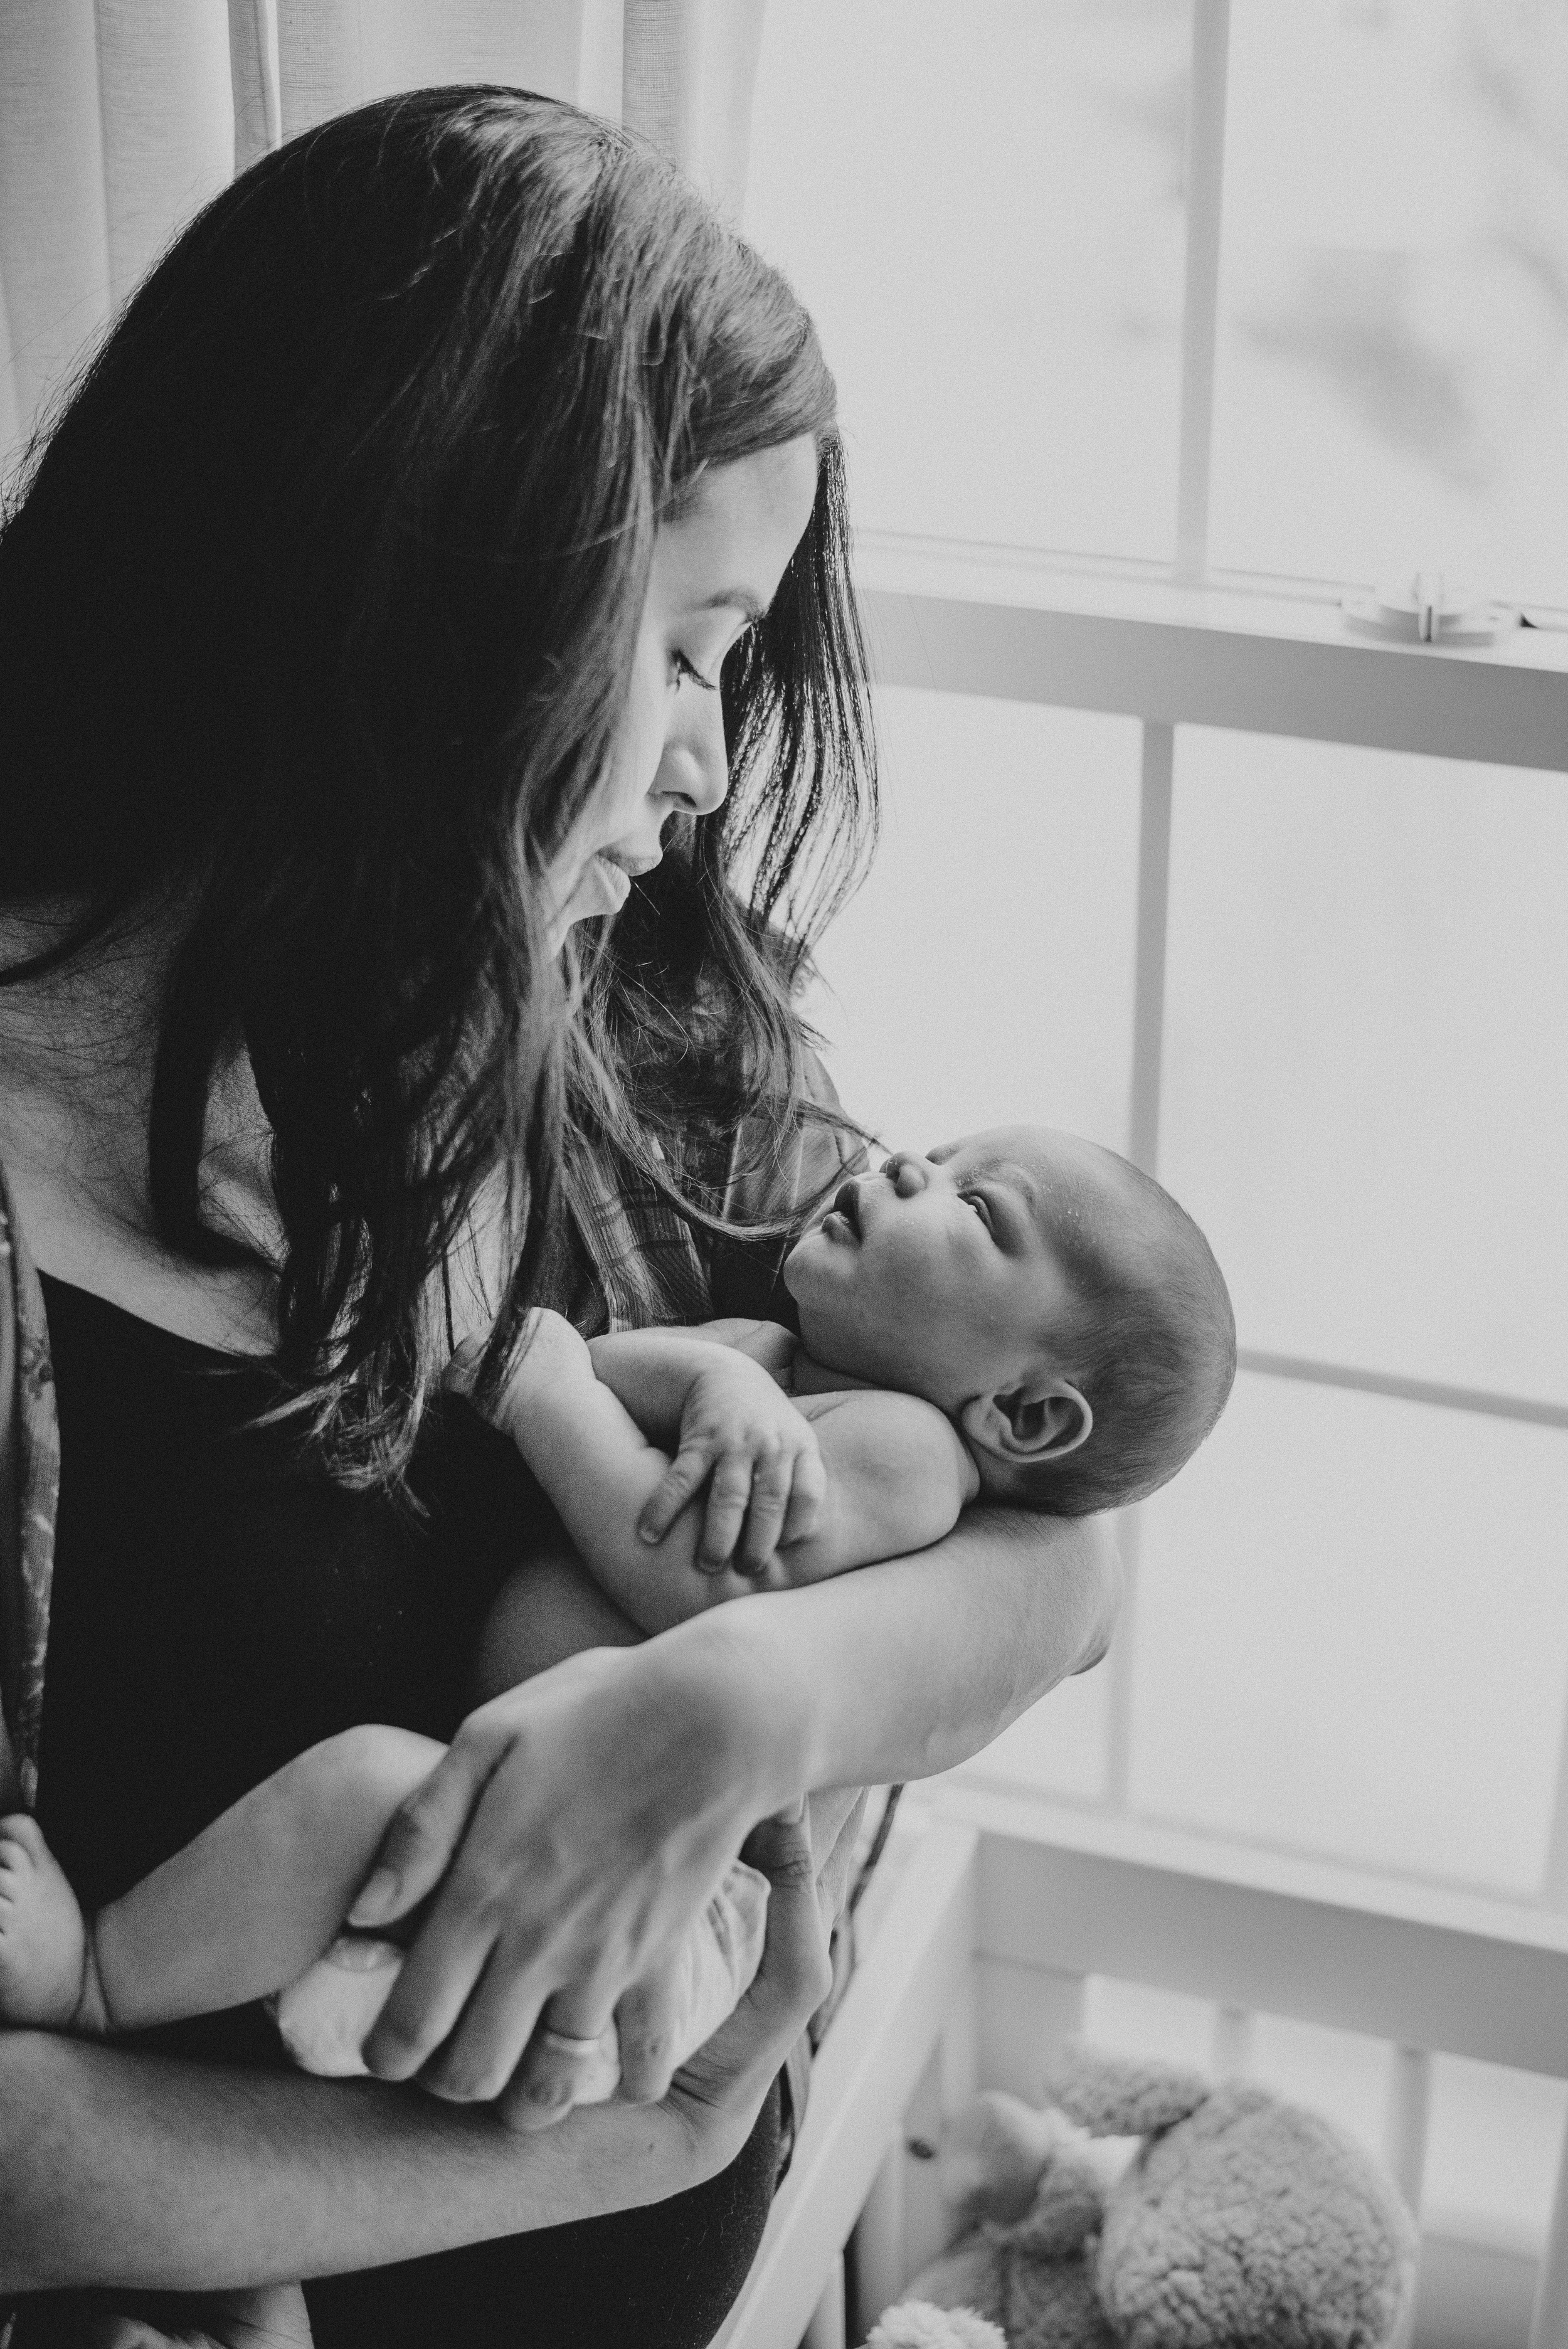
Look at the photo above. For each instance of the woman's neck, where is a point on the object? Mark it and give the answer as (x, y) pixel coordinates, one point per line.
(78, 1051)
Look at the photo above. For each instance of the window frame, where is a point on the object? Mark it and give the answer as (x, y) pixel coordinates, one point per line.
(1181, 644)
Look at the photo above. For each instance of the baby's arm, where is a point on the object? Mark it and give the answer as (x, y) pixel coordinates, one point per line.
(896, 1473)
(237, 1914)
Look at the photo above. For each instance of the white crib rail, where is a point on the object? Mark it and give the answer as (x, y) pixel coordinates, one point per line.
(866, 2072)
(1003, 1911)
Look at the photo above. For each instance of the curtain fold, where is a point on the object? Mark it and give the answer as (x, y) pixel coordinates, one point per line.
(54, 228)
(690, 70)
(167, 124)
(253, 81)
(119, 118)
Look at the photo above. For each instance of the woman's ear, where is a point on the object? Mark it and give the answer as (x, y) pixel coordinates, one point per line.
(1043, 1420)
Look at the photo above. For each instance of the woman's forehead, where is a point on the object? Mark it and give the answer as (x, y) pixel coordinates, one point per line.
(736, 530)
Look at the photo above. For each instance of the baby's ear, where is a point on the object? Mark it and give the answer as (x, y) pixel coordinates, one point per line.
(1043, 1421)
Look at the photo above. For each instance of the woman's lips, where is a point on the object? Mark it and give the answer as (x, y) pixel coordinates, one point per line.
(604, 888)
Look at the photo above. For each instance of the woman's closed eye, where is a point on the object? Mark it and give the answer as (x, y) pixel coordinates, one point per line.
(685, 672)
(976, 1199)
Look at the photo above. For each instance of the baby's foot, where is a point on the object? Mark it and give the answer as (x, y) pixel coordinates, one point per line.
(44, 1965)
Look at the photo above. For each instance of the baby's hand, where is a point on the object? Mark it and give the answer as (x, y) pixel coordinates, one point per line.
(767, 1483)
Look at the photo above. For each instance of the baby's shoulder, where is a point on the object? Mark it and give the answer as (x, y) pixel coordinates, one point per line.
(767, 1343)
(889, 1435)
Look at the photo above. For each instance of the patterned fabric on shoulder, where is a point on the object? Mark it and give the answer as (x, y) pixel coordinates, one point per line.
(29, 1494)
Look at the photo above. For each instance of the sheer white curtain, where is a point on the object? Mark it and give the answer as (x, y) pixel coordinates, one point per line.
(119, 119)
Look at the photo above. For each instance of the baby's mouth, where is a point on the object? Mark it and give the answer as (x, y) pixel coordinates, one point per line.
(843, 1220)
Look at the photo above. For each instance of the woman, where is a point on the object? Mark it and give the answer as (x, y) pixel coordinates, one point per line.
(365, 618)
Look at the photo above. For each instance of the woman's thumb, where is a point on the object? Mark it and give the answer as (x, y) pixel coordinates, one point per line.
(781, 1846)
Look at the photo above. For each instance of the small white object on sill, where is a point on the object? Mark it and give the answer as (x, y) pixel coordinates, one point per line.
(1428, 612)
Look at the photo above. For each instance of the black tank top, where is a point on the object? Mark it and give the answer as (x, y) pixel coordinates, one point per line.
(218, 1607)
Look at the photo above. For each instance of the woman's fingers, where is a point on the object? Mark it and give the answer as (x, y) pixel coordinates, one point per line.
(793, 1978)
(416, 1849)
(435, 1982)
(426, 2006)
(272, 2316)
(796, 1973)
(623, 1782)
(646, 2020)
(573, 2058)
(500, 2044)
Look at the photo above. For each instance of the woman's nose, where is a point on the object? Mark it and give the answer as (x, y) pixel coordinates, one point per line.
(908, 1174)
(695, 771)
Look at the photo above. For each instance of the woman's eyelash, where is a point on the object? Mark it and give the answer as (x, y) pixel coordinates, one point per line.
(685, 668)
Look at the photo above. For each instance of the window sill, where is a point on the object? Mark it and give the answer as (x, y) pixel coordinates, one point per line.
(1266, 657)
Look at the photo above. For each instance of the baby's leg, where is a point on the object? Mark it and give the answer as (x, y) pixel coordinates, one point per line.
(548, 1609)
(262, 1892)
(43, 1938)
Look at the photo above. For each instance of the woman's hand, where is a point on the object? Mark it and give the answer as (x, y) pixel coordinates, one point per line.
(717, 2092)
(574, 1826)
(271, 2317)
(741, 1436)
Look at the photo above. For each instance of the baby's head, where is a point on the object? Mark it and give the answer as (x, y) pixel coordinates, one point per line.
(1057, 1304)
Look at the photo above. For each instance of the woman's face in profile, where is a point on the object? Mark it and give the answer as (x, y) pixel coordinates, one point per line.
(714, 572)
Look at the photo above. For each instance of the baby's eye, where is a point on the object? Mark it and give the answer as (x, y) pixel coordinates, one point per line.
(683, 671)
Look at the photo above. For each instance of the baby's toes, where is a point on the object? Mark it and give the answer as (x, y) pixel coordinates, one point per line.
(21, 1841)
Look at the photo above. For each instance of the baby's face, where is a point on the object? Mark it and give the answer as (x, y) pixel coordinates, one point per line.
(939, 1275)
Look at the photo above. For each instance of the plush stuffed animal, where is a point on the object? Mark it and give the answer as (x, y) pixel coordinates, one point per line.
(1238, 2220)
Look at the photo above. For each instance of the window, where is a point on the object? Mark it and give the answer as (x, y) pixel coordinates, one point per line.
(1174, 859)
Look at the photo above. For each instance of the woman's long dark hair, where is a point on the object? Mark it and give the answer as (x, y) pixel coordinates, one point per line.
(318, 602)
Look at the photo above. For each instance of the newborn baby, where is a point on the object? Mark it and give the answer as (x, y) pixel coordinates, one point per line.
(1021, 1316)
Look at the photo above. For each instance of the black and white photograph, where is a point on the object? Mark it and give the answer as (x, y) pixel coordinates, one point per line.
(783, 1175)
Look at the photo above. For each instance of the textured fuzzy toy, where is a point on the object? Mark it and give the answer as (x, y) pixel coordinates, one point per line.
(1240, 2218)
(916, 2324)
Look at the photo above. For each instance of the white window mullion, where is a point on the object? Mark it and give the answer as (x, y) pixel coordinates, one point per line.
(1149, 968)
(1143, 1149)
(1201, 299)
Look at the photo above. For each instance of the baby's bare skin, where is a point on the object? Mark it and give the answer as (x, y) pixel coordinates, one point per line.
(48, 1981)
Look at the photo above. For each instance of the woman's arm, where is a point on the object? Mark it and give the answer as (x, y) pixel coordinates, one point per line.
(578, 1821)
(907, 1668)
(130, 2169)
(134, 2170)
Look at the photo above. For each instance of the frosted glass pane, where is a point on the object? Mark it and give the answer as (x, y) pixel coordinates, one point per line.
(1392, 378)
(1367, 1092)
(1352, 1634)
(1492, 2147)
(984, 971)
(982, 208)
